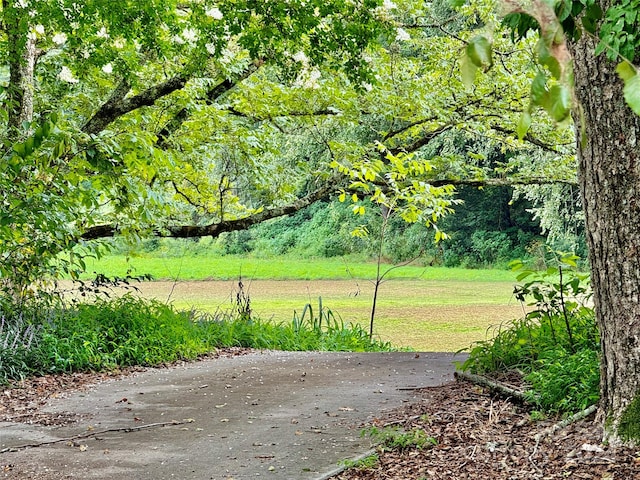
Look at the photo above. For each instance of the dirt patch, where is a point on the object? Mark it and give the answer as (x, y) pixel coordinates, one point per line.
(480, 436)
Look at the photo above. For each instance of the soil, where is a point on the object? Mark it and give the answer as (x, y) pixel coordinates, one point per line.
(480, 436)
(477, 435)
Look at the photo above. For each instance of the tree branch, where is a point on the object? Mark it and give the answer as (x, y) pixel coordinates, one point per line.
(531, 139)
(215, 229)
(118, 105)
(322, 193)
(211, 97)
(501, 182)
(422, 141)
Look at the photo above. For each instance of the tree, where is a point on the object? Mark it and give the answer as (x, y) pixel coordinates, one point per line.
(117, 118)
(181, 119)
(595, 43)
(608, 152)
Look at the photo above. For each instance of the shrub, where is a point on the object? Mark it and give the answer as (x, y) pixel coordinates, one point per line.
(114, 332)
(555, 345)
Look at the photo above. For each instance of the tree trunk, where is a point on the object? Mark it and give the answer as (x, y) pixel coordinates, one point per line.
(609, 176)
(21, 82)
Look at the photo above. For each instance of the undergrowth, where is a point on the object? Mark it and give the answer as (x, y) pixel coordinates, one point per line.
(555, 346)
(108, 333)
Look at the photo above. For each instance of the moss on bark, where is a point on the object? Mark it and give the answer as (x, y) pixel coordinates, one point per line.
(629, 425)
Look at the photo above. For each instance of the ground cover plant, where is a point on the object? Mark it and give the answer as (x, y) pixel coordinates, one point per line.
(555, 347)
(126, 331)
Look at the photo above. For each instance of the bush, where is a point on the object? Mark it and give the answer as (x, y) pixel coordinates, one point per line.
(556, 345)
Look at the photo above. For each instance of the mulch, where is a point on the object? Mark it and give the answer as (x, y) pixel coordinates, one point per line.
(481, 436)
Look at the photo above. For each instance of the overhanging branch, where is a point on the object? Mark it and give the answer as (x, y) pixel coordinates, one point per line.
(322, 193)
(118, 105)
(215, 229)
(501, 182)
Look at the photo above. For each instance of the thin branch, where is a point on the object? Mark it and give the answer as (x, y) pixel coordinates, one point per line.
(82, 436)
(212, 96)
(184, 195)
(531, 139)
(421, 142)
(494, 386)
(400, 130)
(501, 182)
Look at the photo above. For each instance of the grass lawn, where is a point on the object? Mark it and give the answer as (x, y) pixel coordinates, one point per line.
(278, 268)
(424, 308)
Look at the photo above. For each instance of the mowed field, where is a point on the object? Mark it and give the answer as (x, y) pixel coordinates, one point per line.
(424, 308)
(425, 315)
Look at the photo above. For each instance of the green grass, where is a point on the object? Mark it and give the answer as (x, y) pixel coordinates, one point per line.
(424, 308)
(277, 268)
(131, 331)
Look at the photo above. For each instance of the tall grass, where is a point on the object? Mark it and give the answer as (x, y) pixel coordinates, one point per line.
(111, 333)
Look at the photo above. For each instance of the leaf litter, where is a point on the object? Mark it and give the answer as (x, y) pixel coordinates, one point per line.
(481, 436)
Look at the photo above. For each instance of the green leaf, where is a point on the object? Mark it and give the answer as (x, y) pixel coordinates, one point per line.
(539, 91)
(467, 71)
(29, 146)
(546, 58)
(523, 124)
(560, 102)
(480, 52)
(632, 93)
(592, 14)
(626, 71)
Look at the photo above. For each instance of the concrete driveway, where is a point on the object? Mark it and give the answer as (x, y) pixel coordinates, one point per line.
(280, 415)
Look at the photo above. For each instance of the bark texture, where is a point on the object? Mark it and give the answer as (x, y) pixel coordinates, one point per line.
(21, 75)
(609, 176)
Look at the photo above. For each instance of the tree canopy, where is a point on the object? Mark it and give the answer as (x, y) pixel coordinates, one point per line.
(191, 119)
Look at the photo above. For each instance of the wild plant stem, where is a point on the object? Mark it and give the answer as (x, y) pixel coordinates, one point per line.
(564, 312)
(379, 276)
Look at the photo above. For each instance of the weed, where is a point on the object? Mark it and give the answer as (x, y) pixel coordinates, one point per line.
(315, 322)
(537, 416)
(395, 438)
(242, 304)
(555, 345)
(364, 463)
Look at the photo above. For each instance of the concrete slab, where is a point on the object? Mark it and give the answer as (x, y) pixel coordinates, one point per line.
(280, 415)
